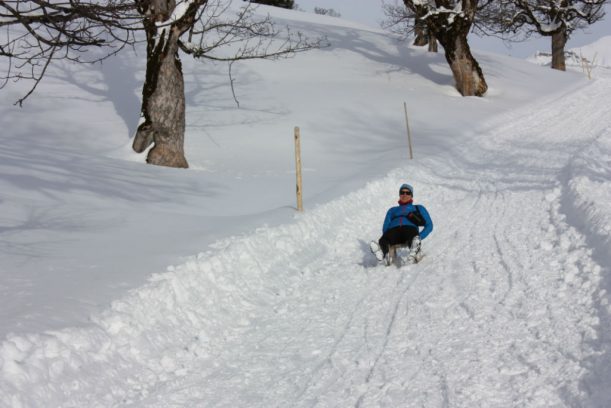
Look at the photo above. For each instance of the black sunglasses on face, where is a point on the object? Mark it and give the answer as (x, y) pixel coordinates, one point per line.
(405, 193)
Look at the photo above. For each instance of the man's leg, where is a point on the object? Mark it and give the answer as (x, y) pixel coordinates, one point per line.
(390, 237)
(414, 247)
(402, 236)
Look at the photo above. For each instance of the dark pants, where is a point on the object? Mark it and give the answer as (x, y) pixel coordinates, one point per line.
(396, 236)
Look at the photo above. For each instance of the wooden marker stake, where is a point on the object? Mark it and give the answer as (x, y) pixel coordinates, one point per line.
(409, 133)
(298, 168)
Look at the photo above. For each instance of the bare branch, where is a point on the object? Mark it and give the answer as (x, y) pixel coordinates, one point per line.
(521, 18)
(231, 83)
(39, 32)
(255, 38)
(37, 79)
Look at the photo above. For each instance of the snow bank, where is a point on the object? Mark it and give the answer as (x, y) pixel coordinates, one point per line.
(189, 313)
(598, 52)
(590, 190)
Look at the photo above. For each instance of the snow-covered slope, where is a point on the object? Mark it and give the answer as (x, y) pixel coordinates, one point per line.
(268, 308)
(599, 51)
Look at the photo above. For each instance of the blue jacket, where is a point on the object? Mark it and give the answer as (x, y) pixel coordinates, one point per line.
(397, 216)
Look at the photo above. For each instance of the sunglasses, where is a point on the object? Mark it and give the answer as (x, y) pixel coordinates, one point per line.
(405, 192)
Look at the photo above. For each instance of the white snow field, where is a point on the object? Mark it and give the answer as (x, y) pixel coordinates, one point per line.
(264, 307)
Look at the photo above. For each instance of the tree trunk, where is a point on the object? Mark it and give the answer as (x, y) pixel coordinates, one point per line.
(432, 43)
(424, 35)
(467, 72)
(163, 107)
(421, 33)
(559, 40)
(452, 35)
(163, 94)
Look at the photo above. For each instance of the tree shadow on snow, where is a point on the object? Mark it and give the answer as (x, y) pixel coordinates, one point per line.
(371, 46)
(37, 161)
(114, 80)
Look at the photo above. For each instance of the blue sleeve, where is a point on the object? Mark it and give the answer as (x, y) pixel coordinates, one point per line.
(387, 220)
(428, 228)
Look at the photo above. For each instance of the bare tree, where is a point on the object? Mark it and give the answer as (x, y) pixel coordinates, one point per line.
(449, 22)
(40, 32)
(519, 19)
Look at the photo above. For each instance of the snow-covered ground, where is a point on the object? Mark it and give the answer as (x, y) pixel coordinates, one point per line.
(123, 284)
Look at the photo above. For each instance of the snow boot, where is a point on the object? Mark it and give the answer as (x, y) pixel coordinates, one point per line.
(414, 251)
(376, 250)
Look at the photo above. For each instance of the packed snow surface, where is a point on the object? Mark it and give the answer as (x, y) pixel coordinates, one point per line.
(262, 307)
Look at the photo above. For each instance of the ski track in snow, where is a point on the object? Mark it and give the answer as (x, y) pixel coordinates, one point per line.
(302, 315)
